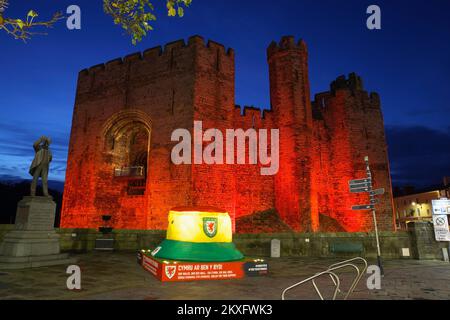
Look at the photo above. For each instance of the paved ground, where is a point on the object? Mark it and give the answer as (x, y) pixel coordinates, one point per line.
(117, 276)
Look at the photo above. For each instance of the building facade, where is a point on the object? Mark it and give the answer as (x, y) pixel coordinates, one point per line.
(418, 206)
(125, 111)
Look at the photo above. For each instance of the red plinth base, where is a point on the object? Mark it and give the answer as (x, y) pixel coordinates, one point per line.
(170, 270)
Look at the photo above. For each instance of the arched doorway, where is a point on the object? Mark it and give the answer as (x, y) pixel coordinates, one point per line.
(127, 143)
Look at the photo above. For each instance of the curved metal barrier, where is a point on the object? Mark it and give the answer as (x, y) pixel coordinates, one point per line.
(336, 281)
(341, 266)
(357, 278)
(334, 277)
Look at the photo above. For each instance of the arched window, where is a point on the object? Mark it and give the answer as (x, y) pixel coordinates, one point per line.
(127, 145)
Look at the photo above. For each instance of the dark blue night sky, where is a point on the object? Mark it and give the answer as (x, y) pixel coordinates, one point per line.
(407, 63)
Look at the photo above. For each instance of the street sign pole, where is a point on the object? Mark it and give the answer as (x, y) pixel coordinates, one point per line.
(372, 198)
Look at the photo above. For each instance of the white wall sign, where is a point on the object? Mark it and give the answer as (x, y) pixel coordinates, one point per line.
(441, 208)
(441, 231)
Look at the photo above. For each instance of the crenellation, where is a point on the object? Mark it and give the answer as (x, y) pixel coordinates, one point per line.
(249, 112)
(302, 45)
(130, 58)
(174, 45)
(158, 55)
(216, 47)
(152, 53)
(375, 99)
(320, 99)
(230, 52)
(83, 72)
(246, 110)
(112, 63)
(321, 142)
(97, 68)
(286, 43)
(196, 40)
(353, 83)
(266, 114)
(272, 48)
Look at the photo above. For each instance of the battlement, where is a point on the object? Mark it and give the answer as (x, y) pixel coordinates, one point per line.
(153, 55)
(321, 100)
(249, 110)
(354, 83)
(286, 43)
(251, 114)
(353, 86)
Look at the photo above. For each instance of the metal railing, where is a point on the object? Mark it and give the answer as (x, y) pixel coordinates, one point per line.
(359, 275)
(334, 277)
(336, 281)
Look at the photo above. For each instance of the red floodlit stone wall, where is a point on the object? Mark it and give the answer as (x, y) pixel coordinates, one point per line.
(349, 127)
(254, 192)
(290, 100)
(126, 110)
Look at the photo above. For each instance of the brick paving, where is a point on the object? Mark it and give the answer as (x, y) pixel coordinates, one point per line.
(116, 275)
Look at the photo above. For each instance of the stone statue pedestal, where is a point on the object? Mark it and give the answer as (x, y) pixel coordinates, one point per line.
(34, 242)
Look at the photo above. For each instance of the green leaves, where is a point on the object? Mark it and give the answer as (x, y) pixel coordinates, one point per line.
(175, 7)
(134, 16)
(25, 29)
(32, 14)
(30, 17)
(20, 23)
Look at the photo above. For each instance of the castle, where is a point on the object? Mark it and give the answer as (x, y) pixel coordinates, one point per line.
(119, 160)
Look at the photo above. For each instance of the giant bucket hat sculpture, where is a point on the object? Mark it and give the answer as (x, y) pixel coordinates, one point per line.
(198, 234)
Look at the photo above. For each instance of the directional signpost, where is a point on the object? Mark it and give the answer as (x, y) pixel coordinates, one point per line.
(377, 192)
(360, 185)
(365, 185)
(367, 181)
(358, 190)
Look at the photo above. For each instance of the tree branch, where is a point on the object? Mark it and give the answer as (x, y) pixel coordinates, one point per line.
(23, 30)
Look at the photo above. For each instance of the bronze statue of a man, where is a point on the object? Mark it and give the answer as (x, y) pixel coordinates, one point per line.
(40, 165)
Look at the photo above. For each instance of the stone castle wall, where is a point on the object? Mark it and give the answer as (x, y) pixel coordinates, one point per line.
(126, 110)
(292, 244)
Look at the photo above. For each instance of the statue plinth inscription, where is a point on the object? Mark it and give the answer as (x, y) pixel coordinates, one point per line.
(34, 241)
(34, 234)
(35, 214)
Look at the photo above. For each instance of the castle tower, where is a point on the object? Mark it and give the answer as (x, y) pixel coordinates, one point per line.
(125, 112)
(120, 143)
(290, 101)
